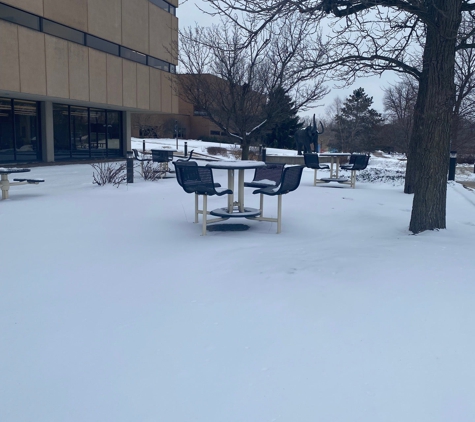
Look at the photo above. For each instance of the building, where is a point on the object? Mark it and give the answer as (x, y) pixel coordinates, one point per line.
(73, 71)
(191, 124)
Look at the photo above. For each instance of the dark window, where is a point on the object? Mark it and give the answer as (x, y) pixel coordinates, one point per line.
(129, 54)
(161, 4)
(158, 64)
(215, 132)
(27, 143)
(172, 10)
(61, 130)
(7, 146)
(103, 45)
(79, 118)
(62, 31)
(98, 132)
(81, 132)
(114, 134)
(19, 17)
(172, 68)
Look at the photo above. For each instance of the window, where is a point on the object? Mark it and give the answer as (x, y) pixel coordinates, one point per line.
(133, 55)
(7, 146)
(161, 4)
(81, 132)
(47, 26)
(19, 17)
(19, 131)
(158, 64)
(103, 45)
(62, 31)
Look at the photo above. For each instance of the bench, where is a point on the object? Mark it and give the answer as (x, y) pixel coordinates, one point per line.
(31, 181)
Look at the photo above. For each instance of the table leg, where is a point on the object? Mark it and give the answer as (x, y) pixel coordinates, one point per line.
(332, 162)
(337, 166)
(241, 191)
(5, 185)
(231, 186)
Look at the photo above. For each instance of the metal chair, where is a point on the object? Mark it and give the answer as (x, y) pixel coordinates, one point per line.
(270, 175)
(141, 158)
(199, 180)
(312, 161)
(290, 181)
(180, 182)
(356, 162)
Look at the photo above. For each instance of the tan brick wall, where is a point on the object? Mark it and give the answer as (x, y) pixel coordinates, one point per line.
(35, 63)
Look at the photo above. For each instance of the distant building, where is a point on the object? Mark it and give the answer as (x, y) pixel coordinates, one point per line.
(191, 124)
(73, 71)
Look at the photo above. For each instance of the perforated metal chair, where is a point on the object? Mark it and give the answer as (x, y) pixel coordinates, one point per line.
(290, 181)
(270, 175)
(356, 162)
(186, 162)
(199, 180)
(312, 161)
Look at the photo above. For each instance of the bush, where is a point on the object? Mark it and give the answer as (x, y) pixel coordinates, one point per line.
(151, 171)
(217, 151)
(105, 173)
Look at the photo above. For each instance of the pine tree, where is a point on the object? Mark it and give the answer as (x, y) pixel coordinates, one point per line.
(284, 121)
(357, 124)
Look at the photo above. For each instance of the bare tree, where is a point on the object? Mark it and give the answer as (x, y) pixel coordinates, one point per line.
(373, 36)
(228, 78)
(464, 109)
(399, 100)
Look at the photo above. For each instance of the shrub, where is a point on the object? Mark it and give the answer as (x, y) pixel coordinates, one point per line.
(104, 173)
(151, 171)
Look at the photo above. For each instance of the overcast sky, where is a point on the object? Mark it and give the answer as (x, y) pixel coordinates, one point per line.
(188, 13)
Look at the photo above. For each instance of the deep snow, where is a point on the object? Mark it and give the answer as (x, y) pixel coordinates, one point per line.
(114, 308)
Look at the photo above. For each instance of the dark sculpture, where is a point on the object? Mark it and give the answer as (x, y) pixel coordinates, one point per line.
(305, 137)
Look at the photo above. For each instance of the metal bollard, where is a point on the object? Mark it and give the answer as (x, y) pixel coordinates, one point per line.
(143, 146)
(130, 167)
(263, 155)
(186, 150)
(452, 165)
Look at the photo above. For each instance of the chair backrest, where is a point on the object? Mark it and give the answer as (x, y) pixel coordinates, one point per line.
(195, 179)
(359, 161)
(290, 179)
(311, 160)
(179, 164)
(271, 172)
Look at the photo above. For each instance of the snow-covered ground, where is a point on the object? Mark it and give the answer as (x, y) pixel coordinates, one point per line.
(114, 308)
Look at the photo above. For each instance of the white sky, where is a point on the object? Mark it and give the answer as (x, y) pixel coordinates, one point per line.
(188, 13)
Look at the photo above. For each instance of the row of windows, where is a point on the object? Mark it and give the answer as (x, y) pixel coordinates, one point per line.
(37, 23)
(81, 132)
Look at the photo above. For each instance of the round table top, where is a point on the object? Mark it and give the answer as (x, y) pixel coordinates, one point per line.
(334, 154)
(13, 170)
(236, 164)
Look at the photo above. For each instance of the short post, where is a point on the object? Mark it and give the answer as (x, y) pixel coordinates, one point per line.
(452, 165)
(260, 151)
(263, 155)
(176, 133)
(143, 146)
(130, 167)
(186, 150)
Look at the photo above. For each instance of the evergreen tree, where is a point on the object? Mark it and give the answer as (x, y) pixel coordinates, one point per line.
(284, 121)
(357, 124)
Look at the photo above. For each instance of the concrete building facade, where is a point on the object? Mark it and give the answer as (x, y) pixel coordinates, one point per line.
(73, 71)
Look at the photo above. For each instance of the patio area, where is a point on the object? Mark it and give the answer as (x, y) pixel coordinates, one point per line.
(114, 308)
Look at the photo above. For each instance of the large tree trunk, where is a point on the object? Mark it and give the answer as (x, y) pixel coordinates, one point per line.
(431, 153)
